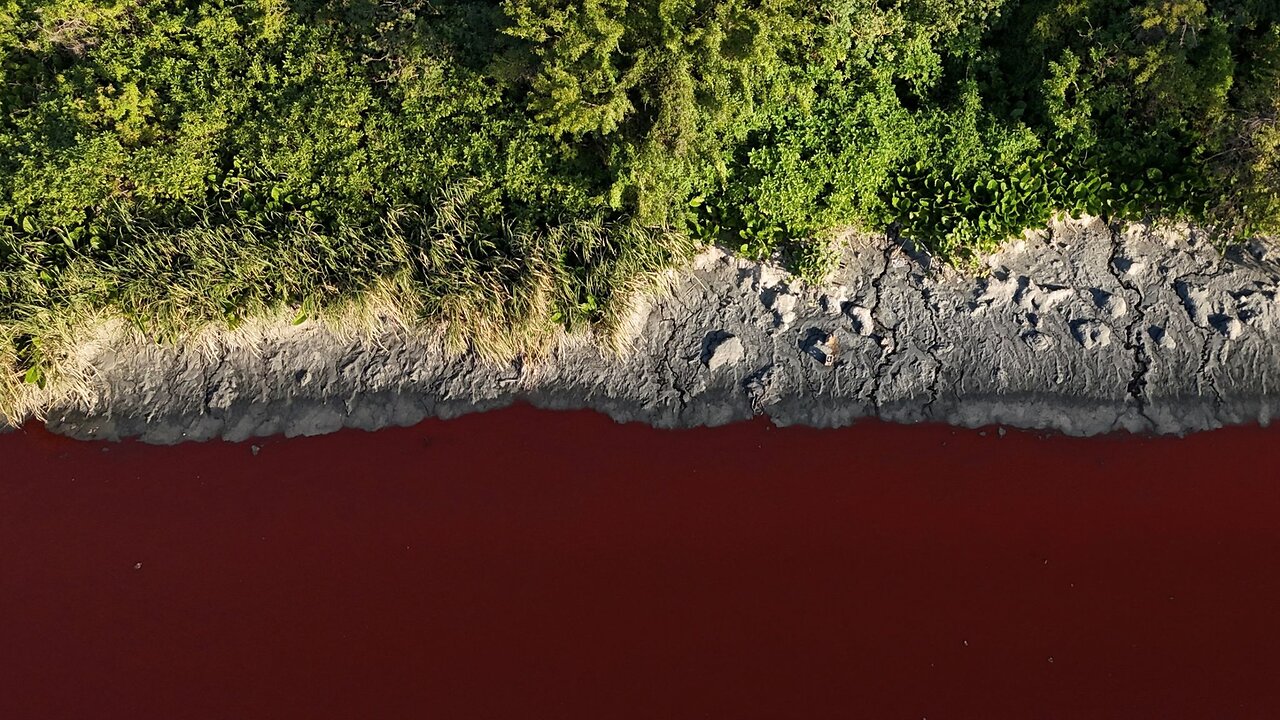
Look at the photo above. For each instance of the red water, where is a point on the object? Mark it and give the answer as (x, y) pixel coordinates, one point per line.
(527, 564)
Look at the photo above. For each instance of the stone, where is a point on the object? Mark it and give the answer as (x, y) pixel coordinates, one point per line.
(1130, 266)
(1001, 291)
(1115, 306)
(1091, 333)
(723, 352)
(1229, 327)
(863, 322)
(783, 305)
(1037, 341)
(1161, 337)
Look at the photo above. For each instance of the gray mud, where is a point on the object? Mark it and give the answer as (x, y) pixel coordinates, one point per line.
(1082, 329)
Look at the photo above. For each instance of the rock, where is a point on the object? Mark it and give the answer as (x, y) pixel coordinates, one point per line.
(1113, 305)
(863, 322)
(783, 305)
(770, 276)
(1000, 291)
(1196, 302)
(722, 351)
(1129, 266)
(711, 257)
(1040, 298)
(1161, 337)
(760, 387)
(1037, 340)
(1254, 308)
(1091, 333)
(1227, 326)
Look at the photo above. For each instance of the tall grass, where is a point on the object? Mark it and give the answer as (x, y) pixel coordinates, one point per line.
(491, 286)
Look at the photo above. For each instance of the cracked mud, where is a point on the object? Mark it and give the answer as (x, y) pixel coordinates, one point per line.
(1082, 328)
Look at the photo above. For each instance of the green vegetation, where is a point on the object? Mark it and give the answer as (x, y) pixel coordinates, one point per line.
(511, 167)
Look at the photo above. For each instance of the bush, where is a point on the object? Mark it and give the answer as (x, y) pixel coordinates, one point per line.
(522, 165)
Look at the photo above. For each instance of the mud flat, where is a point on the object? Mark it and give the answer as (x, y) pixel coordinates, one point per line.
(1081, 328)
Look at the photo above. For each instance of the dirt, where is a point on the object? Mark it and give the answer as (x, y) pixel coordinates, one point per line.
(1082, 328)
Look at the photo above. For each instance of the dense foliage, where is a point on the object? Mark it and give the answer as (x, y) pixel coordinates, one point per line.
(524, 164)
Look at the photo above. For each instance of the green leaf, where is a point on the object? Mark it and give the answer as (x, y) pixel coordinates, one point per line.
(28, 225)
(34, 376)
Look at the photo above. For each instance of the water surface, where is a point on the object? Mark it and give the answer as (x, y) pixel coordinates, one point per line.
(529, 564)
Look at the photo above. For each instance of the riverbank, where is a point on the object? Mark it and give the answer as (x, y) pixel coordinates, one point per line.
(1081, 328)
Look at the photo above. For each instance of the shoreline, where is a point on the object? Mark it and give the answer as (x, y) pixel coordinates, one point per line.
(1079, 328)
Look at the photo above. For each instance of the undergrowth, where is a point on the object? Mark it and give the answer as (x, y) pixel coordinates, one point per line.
(512, 169)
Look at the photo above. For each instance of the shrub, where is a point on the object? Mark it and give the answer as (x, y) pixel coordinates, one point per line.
(524, 165)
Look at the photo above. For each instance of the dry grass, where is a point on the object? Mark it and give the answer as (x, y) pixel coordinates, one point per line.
(68, 347)
(486, 286)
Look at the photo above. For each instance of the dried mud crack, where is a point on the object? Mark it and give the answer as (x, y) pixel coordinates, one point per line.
(1083, 328)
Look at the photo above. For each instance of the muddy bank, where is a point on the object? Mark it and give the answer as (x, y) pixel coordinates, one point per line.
(1080, 328)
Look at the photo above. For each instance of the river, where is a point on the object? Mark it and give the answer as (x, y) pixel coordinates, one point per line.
(534, 564)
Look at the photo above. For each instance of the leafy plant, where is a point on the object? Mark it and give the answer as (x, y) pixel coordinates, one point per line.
(515, 168)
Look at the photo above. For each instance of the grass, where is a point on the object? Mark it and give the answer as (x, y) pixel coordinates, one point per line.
(510, 171)
(488, 286)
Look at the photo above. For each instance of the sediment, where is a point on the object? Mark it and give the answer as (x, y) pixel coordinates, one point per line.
(1082, 328)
